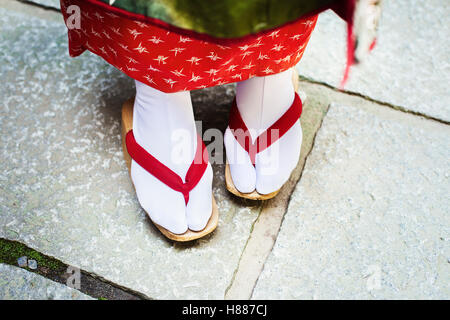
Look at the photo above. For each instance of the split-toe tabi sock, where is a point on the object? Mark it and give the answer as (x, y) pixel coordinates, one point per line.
(163, 124)
(261, 101)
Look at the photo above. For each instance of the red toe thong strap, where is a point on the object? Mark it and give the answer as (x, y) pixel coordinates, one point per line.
(163, 173)
(272, 134)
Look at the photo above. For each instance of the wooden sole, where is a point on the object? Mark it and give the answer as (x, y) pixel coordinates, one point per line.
(189, 235)
(254, 195)
(295, 79)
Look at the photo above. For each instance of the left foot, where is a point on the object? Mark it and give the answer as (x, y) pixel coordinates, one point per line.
(261, 101)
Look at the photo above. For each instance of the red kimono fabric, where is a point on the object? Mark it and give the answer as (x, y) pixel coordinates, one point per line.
(170, 62)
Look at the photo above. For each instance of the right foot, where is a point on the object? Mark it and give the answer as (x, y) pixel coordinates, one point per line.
(163, 124)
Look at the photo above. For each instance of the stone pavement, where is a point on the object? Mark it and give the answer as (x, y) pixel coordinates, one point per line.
(409, 67)
(366, 218)
(369, 218)
(16, 284)
(48, 3)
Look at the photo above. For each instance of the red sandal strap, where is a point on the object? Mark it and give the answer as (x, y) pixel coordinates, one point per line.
(265, 140)
(163, 173)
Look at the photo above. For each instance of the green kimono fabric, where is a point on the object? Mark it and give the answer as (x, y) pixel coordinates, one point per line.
(222, 18)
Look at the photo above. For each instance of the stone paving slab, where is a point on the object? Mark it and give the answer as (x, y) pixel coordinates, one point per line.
(48, 3)
(20, 284)
(369, 217)
(65, 189)
(409, 67)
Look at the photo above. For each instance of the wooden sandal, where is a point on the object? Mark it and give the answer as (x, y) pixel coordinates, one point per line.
(132, 150)
(283, 124)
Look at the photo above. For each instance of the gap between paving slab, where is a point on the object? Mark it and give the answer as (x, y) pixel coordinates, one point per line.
(267, 226)
(265, 229)
(333, 64)
(57, 271)
(390, 42)
(368, 98)
(409, 66)
(104, 231)
(367, 219)
(20, 284)
(44, 5)
(38, 10)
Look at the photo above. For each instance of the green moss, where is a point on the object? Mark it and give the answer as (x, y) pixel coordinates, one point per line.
(10, 251)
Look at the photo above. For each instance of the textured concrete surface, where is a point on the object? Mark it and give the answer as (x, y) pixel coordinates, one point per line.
(65, 187)
(369, 217)
(19, 284)
(367, 220)
(409, 67)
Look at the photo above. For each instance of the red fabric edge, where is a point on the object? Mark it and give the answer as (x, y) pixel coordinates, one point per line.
(198, 35)
(346, 10)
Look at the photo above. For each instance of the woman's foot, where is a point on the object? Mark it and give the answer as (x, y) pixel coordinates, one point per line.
(261, 101)
(163, 124)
